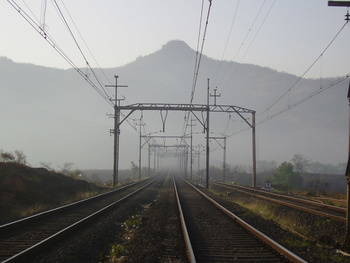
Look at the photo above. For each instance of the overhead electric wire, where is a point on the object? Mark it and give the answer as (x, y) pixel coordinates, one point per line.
(244, 40)
(86, 61)
(302, 76)
(78, 46)
(228, 38)
(290, 106)
(198, 40)
(102, 71)
(318, 91)
(38, 28)
(197, 66)
(251, 43)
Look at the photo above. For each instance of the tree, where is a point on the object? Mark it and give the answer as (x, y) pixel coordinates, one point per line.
(266, 166)
(6, 157)
(285, 175)
(75, 174)
(47, 166)
(300, 161)
(66, 168)
(21, 158)
(134, 169)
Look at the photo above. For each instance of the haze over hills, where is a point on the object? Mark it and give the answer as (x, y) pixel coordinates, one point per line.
(54, 116)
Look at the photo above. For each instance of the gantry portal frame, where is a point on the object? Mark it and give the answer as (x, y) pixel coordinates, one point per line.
(164, 137)
(194, 109)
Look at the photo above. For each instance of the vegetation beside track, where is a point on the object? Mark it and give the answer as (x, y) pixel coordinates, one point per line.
(25, 191)
(314, 238)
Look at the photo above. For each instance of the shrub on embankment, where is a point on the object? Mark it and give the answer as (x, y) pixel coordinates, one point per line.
(25, 190)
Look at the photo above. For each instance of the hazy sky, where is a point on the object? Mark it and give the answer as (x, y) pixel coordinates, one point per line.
(287, 35)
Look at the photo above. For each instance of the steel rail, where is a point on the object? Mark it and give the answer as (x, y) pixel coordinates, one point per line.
(32, 218)
(339, 218)
(22, 256)
(276, 246)
(189, 248)
(332, 207)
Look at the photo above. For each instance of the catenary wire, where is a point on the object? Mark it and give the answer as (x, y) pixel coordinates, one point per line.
(198, 66)
(79, 48)
(302, 76)
(250, 45)
(39, 29)
(100, 68)
(243, 42)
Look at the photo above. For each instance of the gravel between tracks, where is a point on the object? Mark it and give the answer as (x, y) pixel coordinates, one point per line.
(160, 239)
(93, 242)
(321, 237)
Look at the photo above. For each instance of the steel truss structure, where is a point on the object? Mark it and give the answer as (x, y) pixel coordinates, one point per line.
(194, 109)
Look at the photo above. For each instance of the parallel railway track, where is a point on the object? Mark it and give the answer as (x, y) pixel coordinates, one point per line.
(329, 211)
(214, 234)
(23, 238)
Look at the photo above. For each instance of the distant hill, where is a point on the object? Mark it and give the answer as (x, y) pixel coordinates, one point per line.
(54, 116)
(25, 190)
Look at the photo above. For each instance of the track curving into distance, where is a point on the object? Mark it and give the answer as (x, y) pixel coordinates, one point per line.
(217, 235)
(23, 238)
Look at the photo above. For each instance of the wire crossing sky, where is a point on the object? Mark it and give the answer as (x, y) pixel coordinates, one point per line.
(294, 33)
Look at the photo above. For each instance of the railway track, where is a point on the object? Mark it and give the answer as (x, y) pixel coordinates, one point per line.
(24, 238)
(213, 234)
(318, 208)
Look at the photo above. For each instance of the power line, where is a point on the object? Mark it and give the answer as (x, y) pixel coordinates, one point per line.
(228, 38)
(302, 76)
(318, 91)
(39, 29)
(197, 64)
(102, 71)
(251, 43)
(79, 48)
(290, 106)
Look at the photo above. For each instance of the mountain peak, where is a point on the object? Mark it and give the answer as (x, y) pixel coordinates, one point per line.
(177, 47)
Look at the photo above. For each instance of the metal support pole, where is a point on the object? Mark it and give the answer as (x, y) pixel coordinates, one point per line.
(191, 155)
(253, 151)
(186, 161)
(208, 149)
(140, 146)
(116, 132)
(149, 159)
(116, 135)
(199, 156)
(116, 141)
(347, 174)
(224, 166)
(154, 159)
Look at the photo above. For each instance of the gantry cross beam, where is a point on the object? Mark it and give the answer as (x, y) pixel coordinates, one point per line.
(194, 109)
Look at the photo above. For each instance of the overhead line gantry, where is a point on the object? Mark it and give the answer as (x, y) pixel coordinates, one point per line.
(194, 109)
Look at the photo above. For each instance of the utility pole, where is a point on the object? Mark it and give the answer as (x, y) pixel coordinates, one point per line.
(207, 141)
(224, 148)
(215, 95)
(253, 150)
(343, 4)
(347, 173)
(191, 155)
(140, 124)
(116, 131)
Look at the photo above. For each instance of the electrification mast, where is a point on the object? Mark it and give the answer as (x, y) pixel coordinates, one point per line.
(347, 173)
(116, 131)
